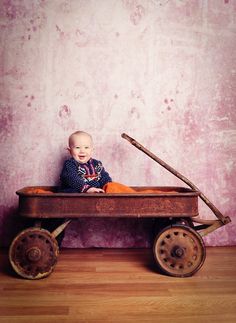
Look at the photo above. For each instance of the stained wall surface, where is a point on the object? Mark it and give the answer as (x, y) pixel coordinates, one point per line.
(162, 71)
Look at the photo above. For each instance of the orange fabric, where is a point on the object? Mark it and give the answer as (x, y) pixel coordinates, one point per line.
(38, 191)
(114, 187)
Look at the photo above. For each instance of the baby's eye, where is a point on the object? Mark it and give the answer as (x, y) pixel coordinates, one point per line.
(77, 147)
(86, 147)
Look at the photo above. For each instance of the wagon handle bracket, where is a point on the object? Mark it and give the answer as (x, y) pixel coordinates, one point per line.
(224, 220)
(59, 229)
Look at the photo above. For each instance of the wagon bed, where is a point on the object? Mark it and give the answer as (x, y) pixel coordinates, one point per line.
(163, 202)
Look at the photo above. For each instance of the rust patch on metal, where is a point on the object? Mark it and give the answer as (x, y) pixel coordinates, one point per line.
(105, 205)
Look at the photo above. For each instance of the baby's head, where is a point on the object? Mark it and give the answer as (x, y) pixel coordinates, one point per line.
(81, 146)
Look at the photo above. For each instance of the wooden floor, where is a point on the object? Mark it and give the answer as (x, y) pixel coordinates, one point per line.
(110, 285)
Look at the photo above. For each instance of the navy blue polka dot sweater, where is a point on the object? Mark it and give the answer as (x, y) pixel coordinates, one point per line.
(77, 177)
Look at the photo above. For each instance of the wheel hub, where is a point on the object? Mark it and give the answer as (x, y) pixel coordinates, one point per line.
(177, 252)
(33, 254)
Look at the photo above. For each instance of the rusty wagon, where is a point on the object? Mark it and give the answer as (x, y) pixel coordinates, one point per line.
(178, 246)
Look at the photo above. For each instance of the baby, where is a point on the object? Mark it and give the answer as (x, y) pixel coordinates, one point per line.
(82, 173)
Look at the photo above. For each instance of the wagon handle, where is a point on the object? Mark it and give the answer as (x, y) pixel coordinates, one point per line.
(217, 213)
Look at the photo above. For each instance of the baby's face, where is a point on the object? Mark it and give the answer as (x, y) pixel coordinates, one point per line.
(81, 148)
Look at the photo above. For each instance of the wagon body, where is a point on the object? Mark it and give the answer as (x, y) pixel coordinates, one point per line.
(178, 248)
(163, 202)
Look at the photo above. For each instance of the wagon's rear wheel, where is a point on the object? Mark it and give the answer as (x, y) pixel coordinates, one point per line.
(33, 253)
(179, 251)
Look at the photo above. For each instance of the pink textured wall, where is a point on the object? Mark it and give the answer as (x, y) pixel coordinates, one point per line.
(162, 71)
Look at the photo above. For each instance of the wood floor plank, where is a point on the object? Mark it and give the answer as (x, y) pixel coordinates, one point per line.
(120, 285)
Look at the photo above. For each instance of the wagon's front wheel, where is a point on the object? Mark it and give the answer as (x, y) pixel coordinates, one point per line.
(179, 251)
(33, 253)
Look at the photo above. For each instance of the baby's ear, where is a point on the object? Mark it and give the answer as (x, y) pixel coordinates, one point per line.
(68, 148)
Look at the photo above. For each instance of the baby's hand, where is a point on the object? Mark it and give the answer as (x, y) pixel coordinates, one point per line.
(95, 190)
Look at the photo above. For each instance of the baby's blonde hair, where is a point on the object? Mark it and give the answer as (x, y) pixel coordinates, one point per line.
(77, 133)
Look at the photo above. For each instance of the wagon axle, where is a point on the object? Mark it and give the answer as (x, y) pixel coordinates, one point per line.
(33, 254)
(177, 252)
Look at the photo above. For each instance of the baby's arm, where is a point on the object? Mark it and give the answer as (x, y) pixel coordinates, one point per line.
(95, 190)
(70, 177)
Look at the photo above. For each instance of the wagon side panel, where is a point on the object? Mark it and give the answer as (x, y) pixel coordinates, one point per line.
(108, 206)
